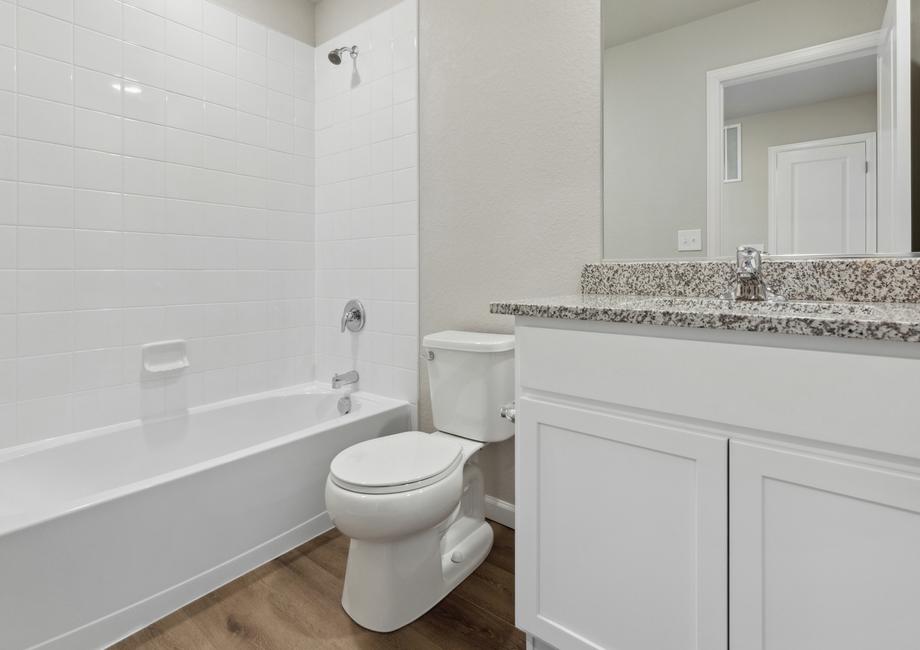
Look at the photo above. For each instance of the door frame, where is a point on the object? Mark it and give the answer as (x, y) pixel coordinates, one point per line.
(869, 139)
(844, 49)
(894, 129)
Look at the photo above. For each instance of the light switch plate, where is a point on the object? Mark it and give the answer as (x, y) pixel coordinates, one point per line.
(690, 240)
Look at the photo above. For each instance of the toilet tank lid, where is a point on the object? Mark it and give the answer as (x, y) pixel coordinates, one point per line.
(469, 341)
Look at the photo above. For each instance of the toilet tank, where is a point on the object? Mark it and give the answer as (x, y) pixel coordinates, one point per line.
(470, 376)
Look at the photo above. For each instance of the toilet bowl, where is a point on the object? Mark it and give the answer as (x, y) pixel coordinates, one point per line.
(413, 503)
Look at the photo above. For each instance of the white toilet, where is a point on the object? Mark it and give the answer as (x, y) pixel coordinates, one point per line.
(413, 503)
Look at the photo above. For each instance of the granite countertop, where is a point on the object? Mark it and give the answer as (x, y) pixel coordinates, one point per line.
(853, 320)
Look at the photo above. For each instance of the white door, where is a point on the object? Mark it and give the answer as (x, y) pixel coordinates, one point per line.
(894, 136)
(822, 196)
(621, 531)
(824, 553)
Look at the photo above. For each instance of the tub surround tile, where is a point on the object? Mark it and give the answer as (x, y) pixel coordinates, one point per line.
(836, 279)
(872, 321)
(366, 200)
(128, 182)
(169, 169)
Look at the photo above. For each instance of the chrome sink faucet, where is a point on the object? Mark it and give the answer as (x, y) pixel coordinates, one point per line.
(346, 378)
(748, 283)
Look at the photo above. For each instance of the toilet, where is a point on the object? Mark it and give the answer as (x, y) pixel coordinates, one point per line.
(413, 503)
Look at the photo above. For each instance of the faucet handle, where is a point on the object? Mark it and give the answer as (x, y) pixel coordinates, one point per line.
(353, 317)
(748, 283)
(749, 261)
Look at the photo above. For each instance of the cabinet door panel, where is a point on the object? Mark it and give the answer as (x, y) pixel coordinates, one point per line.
(621, 531)
(824, 553)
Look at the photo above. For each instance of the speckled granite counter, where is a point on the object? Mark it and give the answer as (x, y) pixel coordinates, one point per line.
(848, 279)
(873, 321)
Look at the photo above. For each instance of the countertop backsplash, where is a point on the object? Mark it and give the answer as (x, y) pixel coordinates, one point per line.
(878, 279)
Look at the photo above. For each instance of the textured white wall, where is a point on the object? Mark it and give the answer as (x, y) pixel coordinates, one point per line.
(510, 164)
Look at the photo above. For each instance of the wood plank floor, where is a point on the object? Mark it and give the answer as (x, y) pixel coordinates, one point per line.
(294, 602)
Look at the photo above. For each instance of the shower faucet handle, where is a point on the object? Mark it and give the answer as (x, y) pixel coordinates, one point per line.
(353, 317)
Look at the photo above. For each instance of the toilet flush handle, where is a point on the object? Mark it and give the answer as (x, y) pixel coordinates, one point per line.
(508, 411)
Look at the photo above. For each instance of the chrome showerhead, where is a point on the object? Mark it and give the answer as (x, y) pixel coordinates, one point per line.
(335, 56)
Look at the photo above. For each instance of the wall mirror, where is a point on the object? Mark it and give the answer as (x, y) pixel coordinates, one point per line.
(779, 124)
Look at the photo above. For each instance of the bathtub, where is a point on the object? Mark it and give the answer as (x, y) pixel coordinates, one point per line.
(103, 532)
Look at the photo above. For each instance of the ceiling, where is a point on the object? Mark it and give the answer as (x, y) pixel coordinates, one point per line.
(628, 20)
(841, 79)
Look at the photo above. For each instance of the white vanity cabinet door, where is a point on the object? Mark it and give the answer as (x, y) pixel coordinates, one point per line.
(621, 530)
(824, 553)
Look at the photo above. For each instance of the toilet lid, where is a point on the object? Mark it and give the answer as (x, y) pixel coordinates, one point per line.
(397, 463)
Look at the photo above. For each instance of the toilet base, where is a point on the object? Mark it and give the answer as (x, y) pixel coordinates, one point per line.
(390, 584)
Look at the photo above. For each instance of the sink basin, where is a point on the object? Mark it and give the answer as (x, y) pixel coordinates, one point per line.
(788, 309)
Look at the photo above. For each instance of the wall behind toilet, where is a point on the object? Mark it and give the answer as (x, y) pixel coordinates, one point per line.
(510, 201)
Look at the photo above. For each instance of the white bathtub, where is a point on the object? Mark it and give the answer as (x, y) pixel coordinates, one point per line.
(104, 532)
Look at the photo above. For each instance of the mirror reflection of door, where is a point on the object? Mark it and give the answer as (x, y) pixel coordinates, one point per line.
(822, 196)
(795, 122)
(826, 149)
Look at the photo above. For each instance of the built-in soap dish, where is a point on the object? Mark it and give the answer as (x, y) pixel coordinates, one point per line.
(164, 357)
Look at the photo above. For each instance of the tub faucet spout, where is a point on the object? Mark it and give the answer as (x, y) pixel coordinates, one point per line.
(350, 377)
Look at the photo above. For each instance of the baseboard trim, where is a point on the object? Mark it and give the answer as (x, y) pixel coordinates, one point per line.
(499, 511)
(533, 643)
(118, 625)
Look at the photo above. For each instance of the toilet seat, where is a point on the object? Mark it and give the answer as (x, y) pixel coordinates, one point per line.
(397, 463)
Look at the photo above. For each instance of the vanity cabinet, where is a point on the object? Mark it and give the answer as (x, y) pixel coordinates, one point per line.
(681, 489)
(622, 540)
(824, 552)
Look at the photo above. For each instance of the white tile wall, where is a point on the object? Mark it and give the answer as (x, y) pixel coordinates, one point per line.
(367, 203)
(156, 182)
